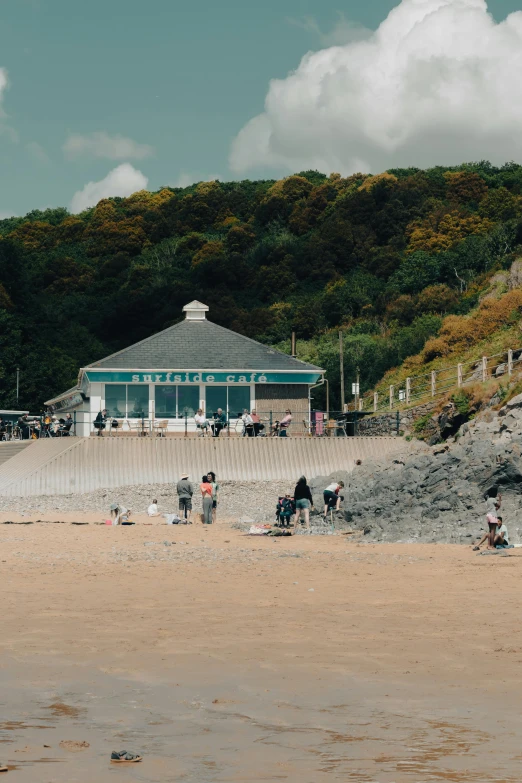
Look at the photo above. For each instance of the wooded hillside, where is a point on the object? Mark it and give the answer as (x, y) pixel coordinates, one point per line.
(385, 257)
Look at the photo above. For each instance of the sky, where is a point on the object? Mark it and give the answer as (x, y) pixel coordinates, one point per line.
(107, 97)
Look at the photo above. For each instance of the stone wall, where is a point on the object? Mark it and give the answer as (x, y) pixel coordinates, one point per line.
(386, 424)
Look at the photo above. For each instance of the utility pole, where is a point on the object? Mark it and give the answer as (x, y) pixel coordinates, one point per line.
(17, 384)
(357, 390)
(341, 362)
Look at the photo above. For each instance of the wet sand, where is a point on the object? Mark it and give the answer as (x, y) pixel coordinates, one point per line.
(222, 657)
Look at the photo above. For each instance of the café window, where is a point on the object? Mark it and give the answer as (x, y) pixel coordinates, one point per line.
(174, 402)
(232, 399)
(125, 401)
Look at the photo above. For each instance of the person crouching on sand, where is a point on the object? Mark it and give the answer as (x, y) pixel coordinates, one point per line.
(332, 498)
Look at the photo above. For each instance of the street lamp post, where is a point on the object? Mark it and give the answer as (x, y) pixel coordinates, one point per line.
(341, 364)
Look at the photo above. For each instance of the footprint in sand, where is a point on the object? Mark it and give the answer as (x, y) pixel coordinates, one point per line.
(73, 746)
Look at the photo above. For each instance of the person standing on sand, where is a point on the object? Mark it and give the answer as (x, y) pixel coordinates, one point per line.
(185, 491)
(211, 478)
(206, 494)
(303, 501)
(492, 508)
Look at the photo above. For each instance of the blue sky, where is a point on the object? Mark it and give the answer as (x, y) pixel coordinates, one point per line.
(179, 79)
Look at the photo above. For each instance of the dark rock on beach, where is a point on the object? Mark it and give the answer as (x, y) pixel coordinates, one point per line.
(439, 495)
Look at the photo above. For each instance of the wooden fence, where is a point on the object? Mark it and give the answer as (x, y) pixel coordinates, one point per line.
(421, 388)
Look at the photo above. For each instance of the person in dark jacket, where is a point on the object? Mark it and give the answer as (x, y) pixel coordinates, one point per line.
(99, 421)
(303, 501)
(285, 510)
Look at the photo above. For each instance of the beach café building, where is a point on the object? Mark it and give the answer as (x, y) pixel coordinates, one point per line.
(164, 379)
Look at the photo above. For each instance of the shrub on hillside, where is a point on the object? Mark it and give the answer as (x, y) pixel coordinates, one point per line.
(461, 331)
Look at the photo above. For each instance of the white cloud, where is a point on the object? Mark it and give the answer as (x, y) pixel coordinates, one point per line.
(344, 30)
(121, 181)
(184, 180)
(38, 152)
(439, 82)
(101, 145)
(4, 126)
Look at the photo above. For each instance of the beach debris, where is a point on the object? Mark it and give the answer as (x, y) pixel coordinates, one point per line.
(73, 745)
(122, 756)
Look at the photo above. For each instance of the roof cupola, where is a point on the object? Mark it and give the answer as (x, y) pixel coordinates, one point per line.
(195, 311)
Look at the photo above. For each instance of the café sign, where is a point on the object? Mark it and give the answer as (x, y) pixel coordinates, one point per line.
(177, 377)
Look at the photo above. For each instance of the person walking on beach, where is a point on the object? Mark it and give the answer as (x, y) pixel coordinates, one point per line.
(206, 494)
(211, 477)
(185, 491)
(332, 499)
(303, 501)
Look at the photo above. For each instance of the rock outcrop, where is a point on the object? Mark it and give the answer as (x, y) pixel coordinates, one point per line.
(438, 494)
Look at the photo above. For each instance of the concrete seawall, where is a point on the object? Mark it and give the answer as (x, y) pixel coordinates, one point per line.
(77, 465)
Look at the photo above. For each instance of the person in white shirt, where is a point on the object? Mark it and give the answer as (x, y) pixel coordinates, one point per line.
(500, 538)
(331, 496)
(152, 510)
(248, 424)
(201, 421)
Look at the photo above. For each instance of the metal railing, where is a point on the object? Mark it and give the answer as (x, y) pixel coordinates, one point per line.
(271, 424)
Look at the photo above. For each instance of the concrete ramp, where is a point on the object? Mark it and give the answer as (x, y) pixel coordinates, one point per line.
(77, 465)
(11, 448)
(34, 460)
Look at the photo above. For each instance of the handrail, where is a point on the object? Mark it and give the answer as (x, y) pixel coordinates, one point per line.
(402, 396)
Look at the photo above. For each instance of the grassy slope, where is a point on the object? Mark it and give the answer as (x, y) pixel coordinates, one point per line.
(490, 330)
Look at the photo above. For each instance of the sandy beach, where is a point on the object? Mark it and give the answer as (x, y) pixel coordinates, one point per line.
(223, 657)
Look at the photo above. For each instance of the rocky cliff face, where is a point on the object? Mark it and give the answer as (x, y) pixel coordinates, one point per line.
(438, 493)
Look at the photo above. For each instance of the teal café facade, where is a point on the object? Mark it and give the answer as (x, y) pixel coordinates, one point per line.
(193, 364)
